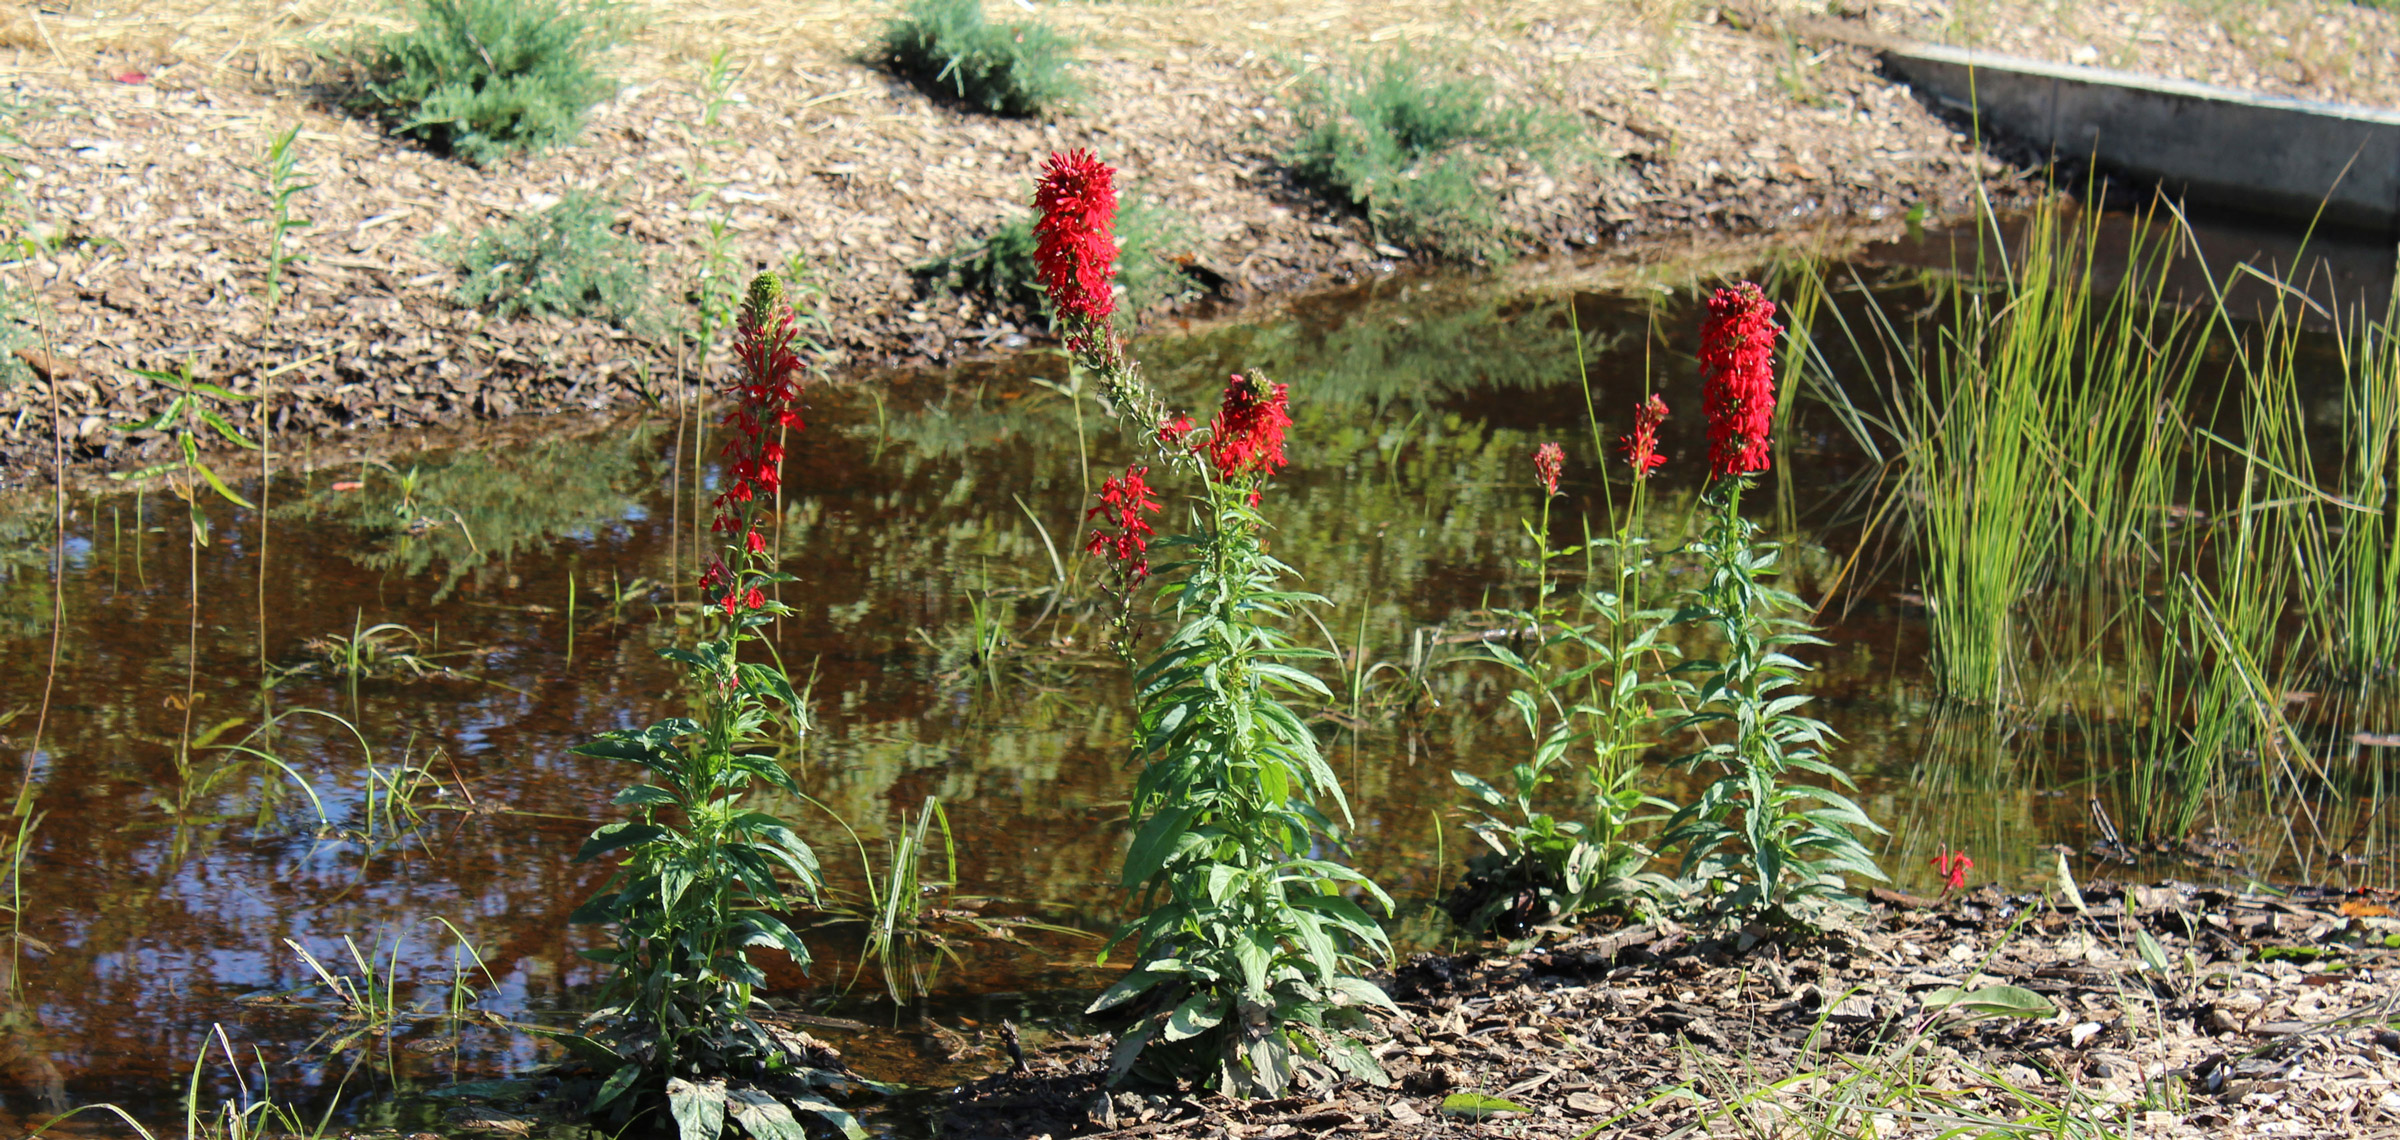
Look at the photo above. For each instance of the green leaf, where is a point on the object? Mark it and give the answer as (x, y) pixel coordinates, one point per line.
(1254, 950)
(1198, 1014)
(699, 1109)
(1127, 988)
(216, 421)
(825, 1110)
(615, 1086)
(610, 837)
(1356, 1059)
(1155, 843)
(220, 487)
(644, 795)
(764, 1117)
(1991, 1001)
(2154, 956)
(1483, 790)
(1476, 1106)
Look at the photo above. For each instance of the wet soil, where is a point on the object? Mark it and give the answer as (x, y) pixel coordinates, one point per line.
(141, 196)
(2273, 1015)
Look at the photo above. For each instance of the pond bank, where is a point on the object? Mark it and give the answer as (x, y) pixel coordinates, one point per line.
(140, 191)
(2271, 1015)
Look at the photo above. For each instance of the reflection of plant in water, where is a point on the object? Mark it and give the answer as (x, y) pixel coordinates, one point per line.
(25, 531)
(475, 507)
(1415, 347)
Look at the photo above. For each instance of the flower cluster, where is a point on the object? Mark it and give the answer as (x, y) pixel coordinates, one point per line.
(1127, 497)
(1548, 462)
(1075, 245)
(1641, 445)
(1737, 372)
(1953, 867)
(764, 392)
(1246, 438)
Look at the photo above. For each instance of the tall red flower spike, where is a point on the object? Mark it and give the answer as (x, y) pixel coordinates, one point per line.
(1075, 244)
(1641, 445)
(1247, 435)
(1737, 373)
(765, 391)
(1548, 463)
(1125, 498)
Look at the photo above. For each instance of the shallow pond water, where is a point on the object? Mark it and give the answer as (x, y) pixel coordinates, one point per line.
(948, 630)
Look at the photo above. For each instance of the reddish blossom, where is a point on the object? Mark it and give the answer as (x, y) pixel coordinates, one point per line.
(1075, 245)
(1173, 432)
(1953, 867)
(1641, 445)
(764, 391)
(1125, 498)
(1548, 461)
(1247, 435)
(1737, 372)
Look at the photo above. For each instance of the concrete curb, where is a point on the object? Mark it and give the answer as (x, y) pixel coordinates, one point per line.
(2255, 153)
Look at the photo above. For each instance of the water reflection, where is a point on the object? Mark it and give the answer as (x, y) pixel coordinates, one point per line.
(952, 642)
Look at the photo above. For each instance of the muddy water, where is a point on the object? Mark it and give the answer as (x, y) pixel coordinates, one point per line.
(212, 794)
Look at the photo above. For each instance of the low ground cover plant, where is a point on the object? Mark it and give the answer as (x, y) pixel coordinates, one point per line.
(1410, 143)
(565, 260)
(1017, 68)
(484, 79)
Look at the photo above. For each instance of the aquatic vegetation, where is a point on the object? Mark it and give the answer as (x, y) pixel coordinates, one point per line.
(702, 878)
(1247, 960)
(483, 79)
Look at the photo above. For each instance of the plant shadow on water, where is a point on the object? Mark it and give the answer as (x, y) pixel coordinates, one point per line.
(957, 655)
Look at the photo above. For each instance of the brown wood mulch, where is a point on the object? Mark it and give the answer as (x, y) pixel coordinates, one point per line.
(2275, 1016)
(138, 184)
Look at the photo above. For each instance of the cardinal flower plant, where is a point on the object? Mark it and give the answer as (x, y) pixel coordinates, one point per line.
(703, 879)
(1248, 956)
(1755, 844)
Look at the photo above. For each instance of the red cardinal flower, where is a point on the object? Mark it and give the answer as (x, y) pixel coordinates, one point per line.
(1548, 462)
(1126, 498)
(1953, 867)
(1247, 435)
(1737, 373)
(765, 391)
(1641, 445)
(1075, 245)
(1172, 432)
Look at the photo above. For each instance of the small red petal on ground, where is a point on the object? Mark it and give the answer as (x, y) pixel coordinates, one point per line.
(133, 77)
(347, 486)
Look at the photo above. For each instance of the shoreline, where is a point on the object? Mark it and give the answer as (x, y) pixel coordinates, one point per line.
(150, 257)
